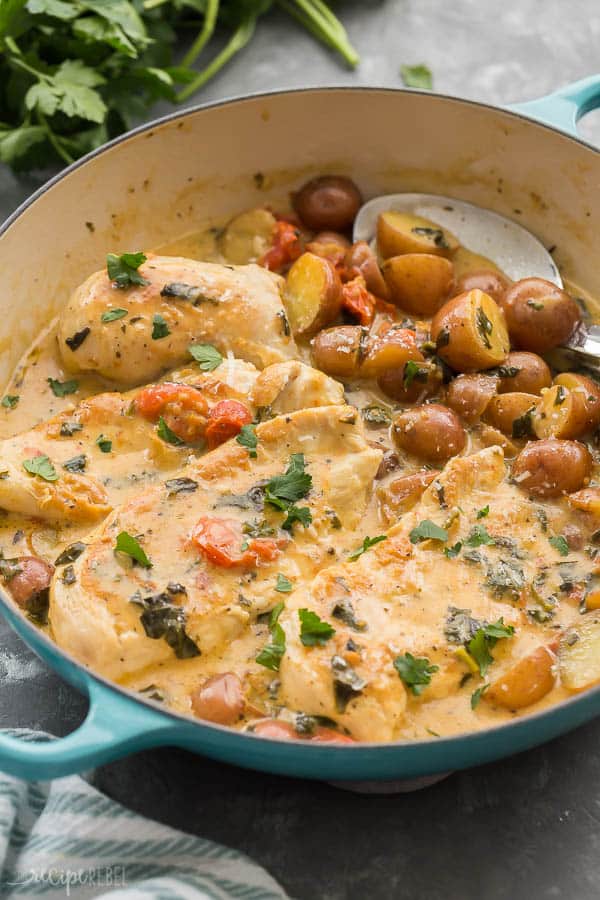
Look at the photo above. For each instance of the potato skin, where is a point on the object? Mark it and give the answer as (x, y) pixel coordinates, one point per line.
(220, 699)
(569, 409)
(392, 350)
(489, 281)
(470, 332)
(34, 578)
(337, 351)
(431, 432)
(426, 383)
(400, 232)
(532, 376)
(419, 282)
(587, 499)
(579, 654)
(360, 260)
(528, 681)
(469, 395)
(550, 468)
(313, 294)
(327, 203)
(539, 315)
(248, 236)
(283, 731)
(502, 411)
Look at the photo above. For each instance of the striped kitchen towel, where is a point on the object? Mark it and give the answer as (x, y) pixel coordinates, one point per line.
(64, 838)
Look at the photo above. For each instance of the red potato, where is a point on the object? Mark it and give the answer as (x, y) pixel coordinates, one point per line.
(399, 232)
(392, 350)
(539, 315)
(313, 294)
(549, 468)
(412, 384)
(524, 372)
(419, 282)
(431, 432)
(338, 351)
(569, 409)
(528, 681)
(33, 578)
(470, 332)
(283, 731)
(489, 281)
(360, 260)
(220, 699)
(506, 411)
(328, 203)
(469, 395)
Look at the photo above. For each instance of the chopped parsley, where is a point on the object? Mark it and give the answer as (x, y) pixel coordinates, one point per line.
(9, 401)
(478, 537)
(414, 372)
(460, 625)
(560, 544)
(484, 326)
(179, 290)
(415, 671)
(282, 491)
(162, 618)
(111, 315)
(367, 544)
(452, 552)
(427, 531)
(76, 463)
(248, 439)
(484, 640)
(301, 514)
(482, 513)
(167, 435)
(123, 270)
(160, 329)
(313, 631)
(62, 388)
(41, 465)
(207, 356)
(522, 426)
(103, 443)
(477, 695)
(270, 655)
(418, 76)
(68, 429)
(127, 544)
(284, 585)
(70, 554)
(376, 416)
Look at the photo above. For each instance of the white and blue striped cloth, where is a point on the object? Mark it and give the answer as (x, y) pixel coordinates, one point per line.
(64, 838)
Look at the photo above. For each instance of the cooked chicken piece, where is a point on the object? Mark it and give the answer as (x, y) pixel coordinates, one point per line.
(284, 387)
(237, 309)
(215, 543)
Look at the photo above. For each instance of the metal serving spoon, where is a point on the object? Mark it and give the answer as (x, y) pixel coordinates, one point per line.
(512, 248)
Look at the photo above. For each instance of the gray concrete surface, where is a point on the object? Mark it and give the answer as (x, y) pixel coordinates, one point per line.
(526, 828)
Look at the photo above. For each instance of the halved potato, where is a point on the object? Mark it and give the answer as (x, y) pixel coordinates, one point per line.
(469, 395)
(530, 679)
(470, 332)
(248, 236)
(579, 654)
(588, 499)
(570, 408)
(390, 351)
(399, 232)
(313, 294)
(506, 411)
(419, 282)
(338, 351)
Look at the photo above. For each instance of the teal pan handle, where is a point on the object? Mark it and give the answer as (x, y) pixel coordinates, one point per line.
(563, 108)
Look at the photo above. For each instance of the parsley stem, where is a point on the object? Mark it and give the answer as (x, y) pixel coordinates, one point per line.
(55, 141)
(239, 39)
(210, 19)
(317, 18)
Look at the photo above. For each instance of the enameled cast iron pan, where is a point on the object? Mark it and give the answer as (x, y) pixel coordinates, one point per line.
(165, 179)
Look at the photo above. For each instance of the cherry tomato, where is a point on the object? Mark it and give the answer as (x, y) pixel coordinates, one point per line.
(225, 420)
(287, 246)
(183, 408)
(221, 542)
(358, 301)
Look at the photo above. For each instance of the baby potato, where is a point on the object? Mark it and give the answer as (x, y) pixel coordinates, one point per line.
(579, 654)
(313, 294)
(506, 411)
(588, 500)
(470, 332)
(550, 468)
(431, 432)
(568, 409)
(248, 236)
(392, 350)
(220, 699)
(487, 280)
(412, 383)
(523, 372)
(337, 351)
(327, 203)
(419, 282)
(360, 260)
(539, 315)
(530, 679)
(469, 395)
(331, 245)
(400, 232)
(401, 494)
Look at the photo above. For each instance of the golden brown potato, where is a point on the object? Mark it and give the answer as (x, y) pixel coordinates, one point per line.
(401, 494)
(248, 236)
(413, 383)
(587, 499)
(539, 315)
(338, 351)
(486, 280)
(399, 232)
(569, 409)
(468, 395)
(512, 413)
(313, 294)
(327, 203)
(524, 372)
(530, 679)
(491, 437)
(579, 654)
(431, 432)
(392, 350)
(419, 282)
(360, 260)
(470, 332)
(220, 699)
(550, 468)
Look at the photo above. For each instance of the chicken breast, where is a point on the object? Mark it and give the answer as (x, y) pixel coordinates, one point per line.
(238, 309)
(214, 537)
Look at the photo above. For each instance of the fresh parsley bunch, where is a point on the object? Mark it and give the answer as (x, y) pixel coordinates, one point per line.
(75, 73)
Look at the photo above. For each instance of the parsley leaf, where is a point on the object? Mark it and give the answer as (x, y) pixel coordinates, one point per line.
(418, 76)
(112, 315)
(248, 439)
(9, 401)
(484, 640)
(367, 544)
(160, 329)
(62, 388)
(482, 513)
(123, 270)
(301, 514)
(478, 536)
(415, 671)
(103, 443)
(294, 484)
(270, 656)
(41, 465)
(127, 544)
(427, 531)
(206, 355)
(477, 695)
(313, 631)
(452, 552)
(559, 543)
(284, 585)
(412, 371)
(167, 434)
